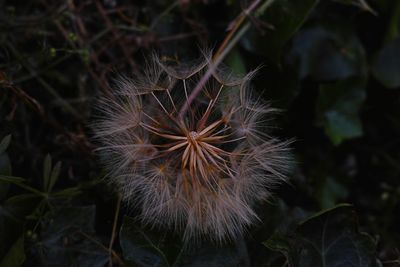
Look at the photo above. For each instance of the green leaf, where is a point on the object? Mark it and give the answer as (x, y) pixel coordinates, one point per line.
(234, 254)
(67, 193)
(18, 181)
(55, 173)
(5, 165)
(62, 219)
(328, 238)
(16, 254)
(11, 229)
(5, 142)
(284, 18)
(5, 169)
(150, 247)
(12, 179)
(68, 237)
(330, 192)
(22, 205)
(393, 29)
(337, 107)
(235, 62)
(331, 238)
(386, 66)
(46, 172)
(328, 52)
(138, 248)
(278, 242)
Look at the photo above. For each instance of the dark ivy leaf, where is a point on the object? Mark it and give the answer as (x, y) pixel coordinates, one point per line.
(330, 238)
(279, 242)
(68, 237)
(284, 18)
(138, 248)
(327, 52)
(61, 220)
(338, 105)
(228, 255)
(386, 66)
(145, 248)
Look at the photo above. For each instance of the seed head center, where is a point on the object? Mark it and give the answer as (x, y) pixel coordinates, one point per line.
(193, 136)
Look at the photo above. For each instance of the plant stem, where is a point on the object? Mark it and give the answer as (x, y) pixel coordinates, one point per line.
(229, 42)
(114, 229)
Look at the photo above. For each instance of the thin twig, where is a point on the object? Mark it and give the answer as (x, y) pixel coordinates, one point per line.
(177, 37)
(45, 85)
(80, 143)
(236, 24)
(117, 36)
(93, 57)
(114, 229)
(163, 14)
(30, 101)
(226, 46)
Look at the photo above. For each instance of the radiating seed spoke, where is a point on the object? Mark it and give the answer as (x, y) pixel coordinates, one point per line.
(175, 147)
(209, 128)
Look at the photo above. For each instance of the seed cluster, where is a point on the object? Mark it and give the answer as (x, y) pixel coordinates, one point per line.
(199, 172)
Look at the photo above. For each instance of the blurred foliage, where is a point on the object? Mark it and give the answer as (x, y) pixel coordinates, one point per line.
(332, 66)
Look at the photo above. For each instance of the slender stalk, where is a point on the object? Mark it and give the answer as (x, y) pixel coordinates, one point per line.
(114, 229)
(237, 23)
(229, 42)
(164, 13)
(48, 87)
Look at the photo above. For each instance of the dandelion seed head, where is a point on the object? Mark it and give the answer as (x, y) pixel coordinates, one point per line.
(200, 173)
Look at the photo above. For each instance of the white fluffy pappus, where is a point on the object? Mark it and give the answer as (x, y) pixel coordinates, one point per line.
(200, 172)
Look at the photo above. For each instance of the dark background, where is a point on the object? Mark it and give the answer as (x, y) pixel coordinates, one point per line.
(332, 67)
